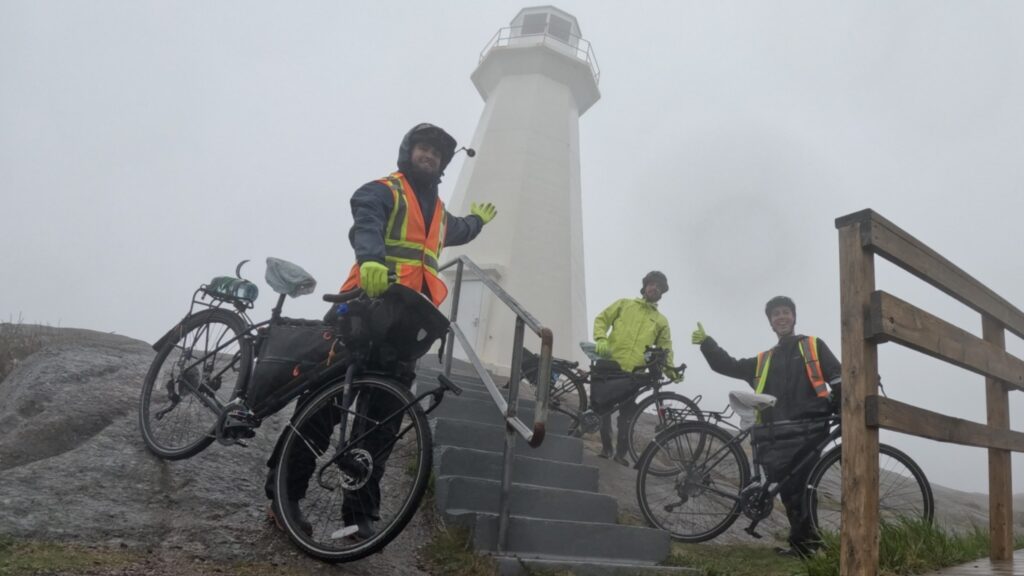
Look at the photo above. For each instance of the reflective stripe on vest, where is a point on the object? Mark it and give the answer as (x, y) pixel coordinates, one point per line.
(808, 346)
(411, 253)
(399, 246)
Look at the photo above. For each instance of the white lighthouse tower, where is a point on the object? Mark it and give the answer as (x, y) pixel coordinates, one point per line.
(537, 77)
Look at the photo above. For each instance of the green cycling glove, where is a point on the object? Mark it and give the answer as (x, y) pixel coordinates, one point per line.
(672, 375)
(601, 347)
(699, 335)
(486, 211)
(373, 277)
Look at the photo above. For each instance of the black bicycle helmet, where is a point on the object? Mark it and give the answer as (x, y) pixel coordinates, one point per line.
(426, 133)
(779, 301)
(656, 277)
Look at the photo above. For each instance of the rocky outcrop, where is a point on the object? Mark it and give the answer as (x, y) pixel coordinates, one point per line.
(73, 467)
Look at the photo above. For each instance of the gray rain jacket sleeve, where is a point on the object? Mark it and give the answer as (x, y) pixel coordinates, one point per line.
(371, 206)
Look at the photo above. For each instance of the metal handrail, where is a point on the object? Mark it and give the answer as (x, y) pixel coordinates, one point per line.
(509, 409)
(582, 48)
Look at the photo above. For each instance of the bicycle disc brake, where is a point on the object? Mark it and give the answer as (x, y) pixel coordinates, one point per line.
(356, 467)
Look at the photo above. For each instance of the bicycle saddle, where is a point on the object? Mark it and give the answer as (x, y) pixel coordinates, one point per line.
(287, 278)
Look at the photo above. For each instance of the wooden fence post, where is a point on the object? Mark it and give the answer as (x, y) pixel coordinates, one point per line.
(859, 532)
(1000, 485)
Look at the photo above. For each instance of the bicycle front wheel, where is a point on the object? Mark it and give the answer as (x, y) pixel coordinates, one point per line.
(567, 391)
(700, 499)
(903, 489)
(190, 380)
(353, 472)
(655, 414)
(567, 395)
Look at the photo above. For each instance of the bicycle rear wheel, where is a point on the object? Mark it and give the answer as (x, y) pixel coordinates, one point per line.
(657, 413)
(700, 499)
(903, 489)
(379, 471)
(190, 380)
(567, 395)
(567, 392)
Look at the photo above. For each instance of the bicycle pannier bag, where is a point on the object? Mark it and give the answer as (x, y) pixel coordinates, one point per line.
(610, 384)
(290, 349)
(777, 446)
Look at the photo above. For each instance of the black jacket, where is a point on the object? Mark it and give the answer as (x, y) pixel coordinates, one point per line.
(787, 376)
(371, 207)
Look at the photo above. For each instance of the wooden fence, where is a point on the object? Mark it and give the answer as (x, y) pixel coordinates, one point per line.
(870, 317)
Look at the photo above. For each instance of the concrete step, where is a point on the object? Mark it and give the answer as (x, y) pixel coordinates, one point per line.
(480, 495)
(453, 461)
(515, 566)
(474, 394)
(485, 411)
(491, 438)
(564, 540)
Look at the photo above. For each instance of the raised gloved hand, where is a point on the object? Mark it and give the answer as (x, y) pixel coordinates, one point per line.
(373, 277)
(699, 335)
(601, 347)
(486, 211)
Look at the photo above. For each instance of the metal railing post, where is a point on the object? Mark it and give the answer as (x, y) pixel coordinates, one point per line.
(504, 503)
(454, 316)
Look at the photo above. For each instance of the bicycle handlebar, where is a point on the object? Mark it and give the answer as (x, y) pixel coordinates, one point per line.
(343, 296)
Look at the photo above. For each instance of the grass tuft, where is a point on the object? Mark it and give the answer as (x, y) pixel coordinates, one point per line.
(450, 552)
(28, 557)
(910, 547)
(17, 342)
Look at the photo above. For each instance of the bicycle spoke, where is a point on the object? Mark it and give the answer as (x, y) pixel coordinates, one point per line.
(700, 498)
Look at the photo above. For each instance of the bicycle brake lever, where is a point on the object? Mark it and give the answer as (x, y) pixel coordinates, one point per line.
(447, 383)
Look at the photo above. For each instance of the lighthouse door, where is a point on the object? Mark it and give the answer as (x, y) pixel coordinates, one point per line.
(470, 305)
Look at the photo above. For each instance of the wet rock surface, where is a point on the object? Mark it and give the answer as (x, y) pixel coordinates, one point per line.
(73, 467)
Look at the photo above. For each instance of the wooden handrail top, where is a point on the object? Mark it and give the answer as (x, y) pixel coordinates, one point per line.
(896, 245)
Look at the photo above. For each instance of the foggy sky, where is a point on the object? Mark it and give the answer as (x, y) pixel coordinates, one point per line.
(147, 146)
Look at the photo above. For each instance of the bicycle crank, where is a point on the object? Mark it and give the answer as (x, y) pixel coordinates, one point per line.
(590, 422)
(756, 502)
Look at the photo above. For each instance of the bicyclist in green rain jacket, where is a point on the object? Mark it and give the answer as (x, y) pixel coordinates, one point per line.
(635, 324)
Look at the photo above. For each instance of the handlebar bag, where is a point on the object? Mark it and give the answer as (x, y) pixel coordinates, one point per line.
(779, 445)
(288, 349)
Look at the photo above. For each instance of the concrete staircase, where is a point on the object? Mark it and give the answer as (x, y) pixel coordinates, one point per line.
(559, 520)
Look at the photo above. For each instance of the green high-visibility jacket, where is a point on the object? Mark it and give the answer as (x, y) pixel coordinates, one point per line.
(635, 324)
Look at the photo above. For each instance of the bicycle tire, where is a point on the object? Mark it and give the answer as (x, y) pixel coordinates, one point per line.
(669, 408)
(403, 478)
(701, 499)
(903, 489)
(178, 424)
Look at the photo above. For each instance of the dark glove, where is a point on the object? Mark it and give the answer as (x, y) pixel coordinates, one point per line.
(835, 402)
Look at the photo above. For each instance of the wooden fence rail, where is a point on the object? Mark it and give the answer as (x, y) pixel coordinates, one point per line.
(871, 317)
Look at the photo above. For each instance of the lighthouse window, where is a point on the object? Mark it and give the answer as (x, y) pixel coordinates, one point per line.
(534, 23)
(560, 28)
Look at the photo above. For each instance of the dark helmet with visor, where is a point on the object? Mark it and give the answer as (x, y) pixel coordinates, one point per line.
(430, 134)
